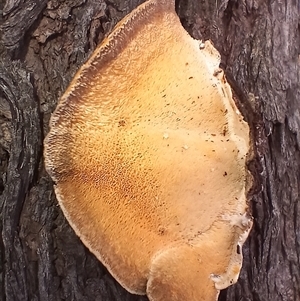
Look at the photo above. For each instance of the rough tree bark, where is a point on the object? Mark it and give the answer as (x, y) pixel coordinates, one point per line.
(41, 46)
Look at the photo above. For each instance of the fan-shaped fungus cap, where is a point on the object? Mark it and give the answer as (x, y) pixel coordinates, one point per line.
(147, 151)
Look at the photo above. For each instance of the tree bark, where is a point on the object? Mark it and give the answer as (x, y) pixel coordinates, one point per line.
(44, 42)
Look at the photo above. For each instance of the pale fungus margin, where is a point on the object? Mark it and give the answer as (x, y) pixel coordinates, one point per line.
(147, 151)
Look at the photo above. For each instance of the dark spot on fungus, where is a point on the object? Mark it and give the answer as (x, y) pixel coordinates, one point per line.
(161, 230)
(217, 71)
(122, 123)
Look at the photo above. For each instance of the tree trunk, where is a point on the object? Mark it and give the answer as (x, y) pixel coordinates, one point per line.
(44, 42)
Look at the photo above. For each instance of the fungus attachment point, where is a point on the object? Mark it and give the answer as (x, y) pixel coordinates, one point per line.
(143, 169)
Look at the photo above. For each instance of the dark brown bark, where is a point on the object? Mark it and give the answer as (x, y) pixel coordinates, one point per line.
(42, 45)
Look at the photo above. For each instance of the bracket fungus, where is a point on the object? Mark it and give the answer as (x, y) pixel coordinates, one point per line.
(148, 151)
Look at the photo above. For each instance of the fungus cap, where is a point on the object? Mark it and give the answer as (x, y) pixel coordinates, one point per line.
(147, 151)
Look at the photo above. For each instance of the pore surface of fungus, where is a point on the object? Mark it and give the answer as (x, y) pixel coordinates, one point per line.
(147, 151)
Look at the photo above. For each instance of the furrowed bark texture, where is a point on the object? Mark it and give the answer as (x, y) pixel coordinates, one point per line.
(43, 43)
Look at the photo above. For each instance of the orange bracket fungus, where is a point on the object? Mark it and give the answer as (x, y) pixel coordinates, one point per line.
(148, 151)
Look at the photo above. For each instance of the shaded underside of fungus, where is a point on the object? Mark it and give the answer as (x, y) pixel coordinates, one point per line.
(147, 151)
